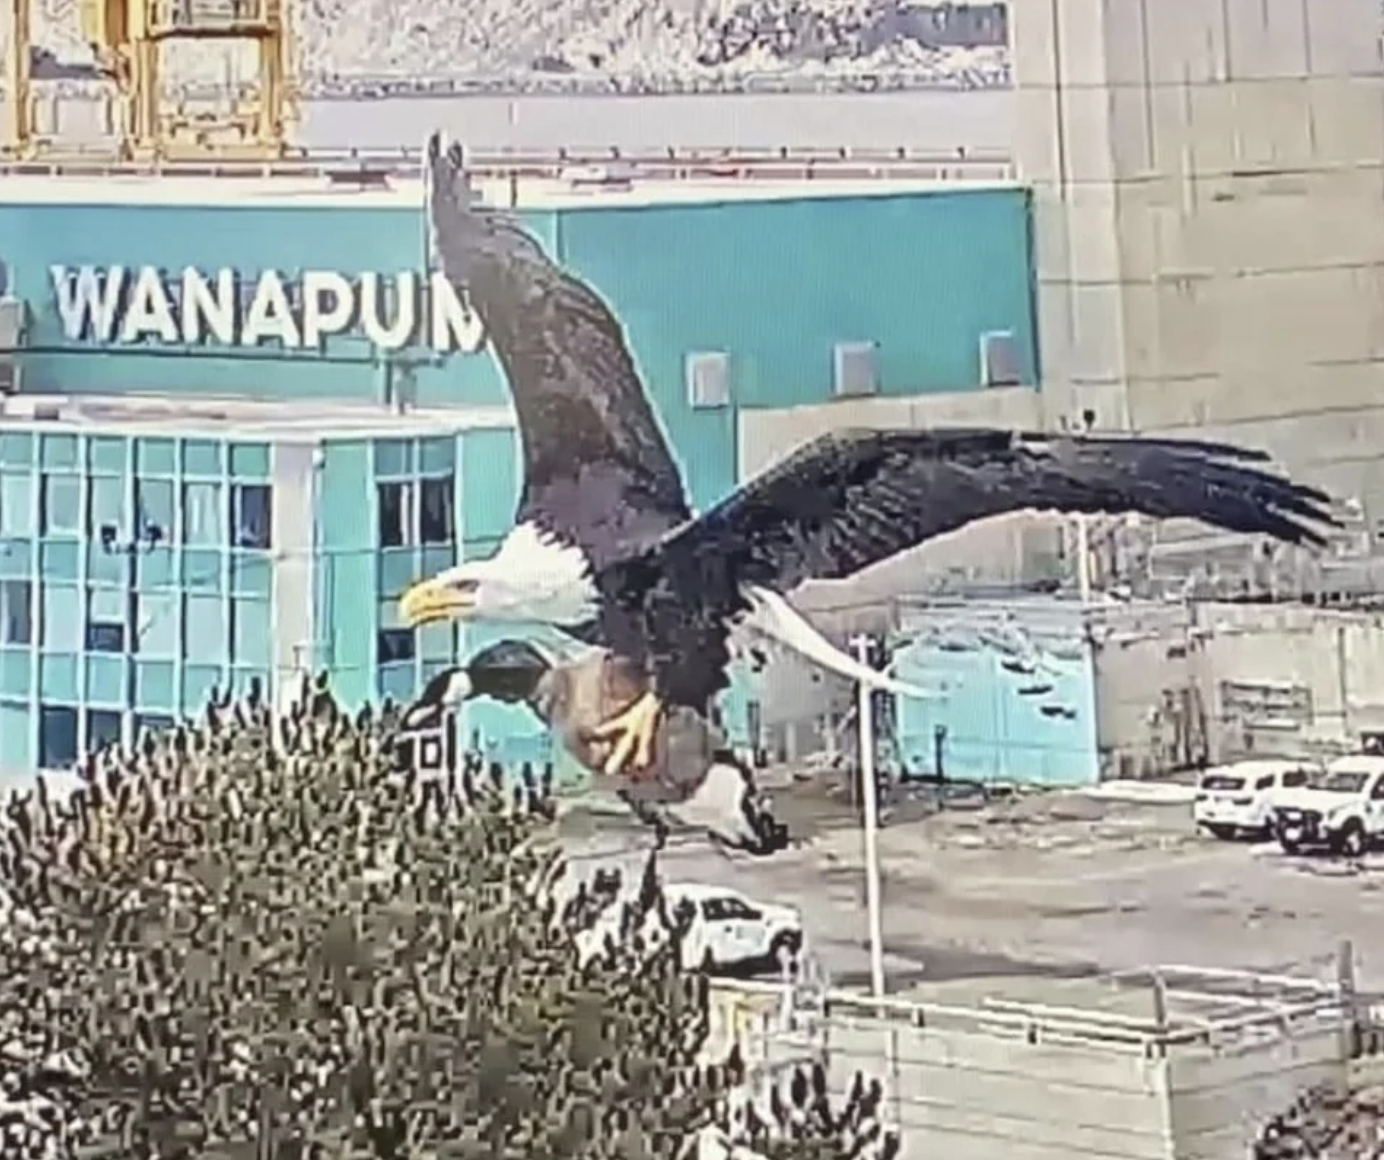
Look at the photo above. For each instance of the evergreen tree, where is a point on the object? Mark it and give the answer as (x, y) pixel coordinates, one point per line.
(255, 937)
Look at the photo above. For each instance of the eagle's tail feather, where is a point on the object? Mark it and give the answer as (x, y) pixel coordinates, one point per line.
(772, 616)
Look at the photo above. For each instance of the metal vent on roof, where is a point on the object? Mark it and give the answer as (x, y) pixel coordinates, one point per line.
(999, 359)
(708, 379)
(855, 372)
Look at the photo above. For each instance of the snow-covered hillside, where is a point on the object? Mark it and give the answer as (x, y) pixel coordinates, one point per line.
(644, 44)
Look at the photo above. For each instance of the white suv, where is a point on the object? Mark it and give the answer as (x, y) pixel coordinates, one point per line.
(1343, 811)
(1238, 799)
(729, 931)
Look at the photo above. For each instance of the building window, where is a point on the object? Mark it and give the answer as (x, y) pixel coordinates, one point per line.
(102, 729)
(206, 637)
(252, 632)
(395, 508)
(416, 513)
(156, 632)
(16, 504)
(435, 522)
(60, 505)
(149, 724)
(106, 506)
(251, 513)
(60, 629)
(154, 508)
(393, 645)
(107, 613)
(16, 612)
(204, 522)
(57, 737)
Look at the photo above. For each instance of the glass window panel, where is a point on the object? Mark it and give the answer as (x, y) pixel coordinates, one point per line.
(250, 460)
(250, 632)
(251, 513)
(109, 605)
(62, 618)
(204, 520)
(154, 507)
(393, 457)
(435, 521)
(103, 729)
(15, 751)
(205, 633)
(156, 624)
(395, 504)
(16, 612)
(106, 506)
(107, 613)
(61, 504)
(152, 723)
(16, 503)
(57, 736)
(393, 645)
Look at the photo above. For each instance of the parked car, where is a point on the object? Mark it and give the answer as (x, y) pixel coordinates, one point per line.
(730, 932)
(1343, 811)
(1237, 800)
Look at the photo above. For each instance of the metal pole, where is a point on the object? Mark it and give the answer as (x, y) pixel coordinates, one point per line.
(870, 797)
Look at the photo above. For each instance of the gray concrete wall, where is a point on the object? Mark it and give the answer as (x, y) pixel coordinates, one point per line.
(1221, 1094)
(1037, 1082)
(970, 1085)
(1220, 681)
(1207, 182)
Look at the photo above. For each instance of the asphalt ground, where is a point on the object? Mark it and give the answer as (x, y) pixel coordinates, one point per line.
(997, 896)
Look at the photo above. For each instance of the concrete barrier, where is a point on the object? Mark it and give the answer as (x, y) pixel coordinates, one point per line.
(1222, 1052)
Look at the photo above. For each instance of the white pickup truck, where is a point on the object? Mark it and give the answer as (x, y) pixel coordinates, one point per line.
(1342, 812)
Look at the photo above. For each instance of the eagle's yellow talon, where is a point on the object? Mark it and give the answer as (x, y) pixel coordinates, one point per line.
(634, 730)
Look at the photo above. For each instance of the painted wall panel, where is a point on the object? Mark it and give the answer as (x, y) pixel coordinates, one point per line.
(249, 239)
(1016, 695)
(778, 284)
(347, 569)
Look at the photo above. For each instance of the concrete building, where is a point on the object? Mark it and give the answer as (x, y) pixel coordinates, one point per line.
(1206, 181)
(223, 455)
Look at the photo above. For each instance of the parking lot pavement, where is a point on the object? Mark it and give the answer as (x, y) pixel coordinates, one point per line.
(1053, 884)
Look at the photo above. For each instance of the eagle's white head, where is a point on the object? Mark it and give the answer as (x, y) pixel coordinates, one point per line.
(533, 578)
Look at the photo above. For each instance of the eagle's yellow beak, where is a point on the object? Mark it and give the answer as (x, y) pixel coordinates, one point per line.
(429, 601)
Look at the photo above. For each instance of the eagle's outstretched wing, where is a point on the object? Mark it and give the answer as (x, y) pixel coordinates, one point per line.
(856, 498)
(597, 467)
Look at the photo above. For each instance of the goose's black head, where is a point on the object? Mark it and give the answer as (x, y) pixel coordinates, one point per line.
(509, 671)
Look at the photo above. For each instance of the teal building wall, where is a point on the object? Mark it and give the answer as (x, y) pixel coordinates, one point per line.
(1018, 716)
(102, 633)
(773, 283)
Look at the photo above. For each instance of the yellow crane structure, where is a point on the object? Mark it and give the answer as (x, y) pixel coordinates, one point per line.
(148, 122)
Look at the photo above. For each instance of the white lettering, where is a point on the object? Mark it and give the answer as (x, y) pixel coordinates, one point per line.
(393, 335)
(88, 302)
(270, 314)
(327, 305)
(120, 305)
(147, 310)
(455, 326)
(205, 309)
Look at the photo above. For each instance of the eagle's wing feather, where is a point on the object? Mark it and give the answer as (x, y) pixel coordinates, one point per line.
(855, 498)
(597, 467)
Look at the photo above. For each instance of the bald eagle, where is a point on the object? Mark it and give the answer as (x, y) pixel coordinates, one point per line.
(606, 547)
